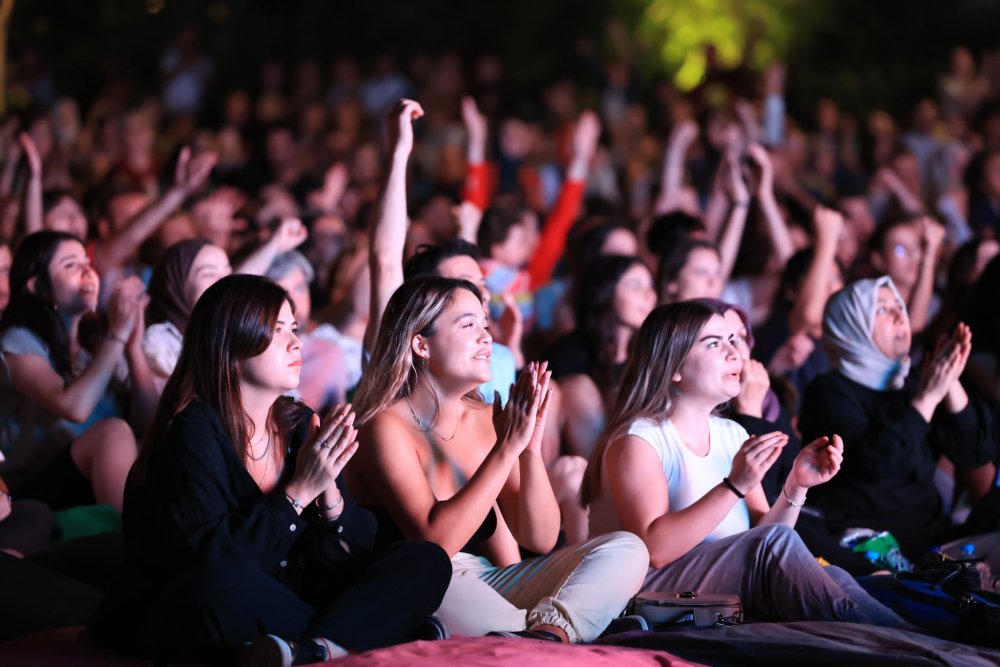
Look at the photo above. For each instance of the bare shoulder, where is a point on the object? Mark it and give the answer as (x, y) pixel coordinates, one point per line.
(387, 431)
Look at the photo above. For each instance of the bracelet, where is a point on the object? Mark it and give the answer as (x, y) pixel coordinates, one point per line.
(790, 501)
(296, 503)
(111, 336)
(732, 487)
(330, 508)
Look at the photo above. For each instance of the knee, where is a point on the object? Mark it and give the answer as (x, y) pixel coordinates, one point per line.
(625, 548)
(775, 537)
(566, 476)
(113, 434)
(219, 584)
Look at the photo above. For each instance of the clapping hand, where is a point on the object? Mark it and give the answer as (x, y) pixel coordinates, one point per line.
(324, 455)
(817, 463)
(515, 423)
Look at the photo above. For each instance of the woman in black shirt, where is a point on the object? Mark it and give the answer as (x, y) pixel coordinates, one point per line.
(235, 524)
(893, 437)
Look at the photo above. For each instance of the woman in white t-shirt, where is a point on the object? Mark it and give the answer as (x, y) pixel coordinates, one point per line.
(688, 482)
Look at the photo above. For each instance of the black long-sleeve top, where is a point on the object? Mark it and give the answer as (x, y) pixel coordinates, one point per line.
(890, 454)
(199, 504)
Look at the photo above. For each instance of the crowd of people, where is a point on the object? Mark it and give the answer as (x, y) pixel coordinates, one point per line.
(564, 354)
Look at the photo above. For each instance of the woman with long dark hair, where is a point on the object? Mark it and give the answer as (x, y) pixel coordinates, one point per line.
(235, 522)
(688, 482)
(611, 298)
(439, 463)
(66, 375)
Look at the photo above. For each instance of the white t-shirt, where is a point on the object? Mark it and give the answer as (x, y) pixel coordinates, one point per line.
(689, 476)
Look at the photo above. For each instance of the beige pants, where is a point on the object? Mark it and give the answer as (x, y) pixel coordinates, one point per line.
(579, 589)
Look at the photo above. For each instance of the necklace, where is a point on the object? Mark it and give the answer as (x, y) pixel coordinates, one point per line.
(266, 449)
(426, 427)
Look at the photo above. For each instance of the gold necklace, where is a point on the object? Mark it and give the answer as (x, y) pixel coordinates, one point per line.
(426, 427)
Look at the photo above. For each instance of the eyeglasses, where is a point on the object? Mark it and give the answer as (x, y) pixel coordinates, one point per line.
(902, 250)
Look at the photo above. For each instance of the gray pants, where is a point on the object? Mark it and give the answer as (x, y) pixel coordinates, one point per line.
(775, 576)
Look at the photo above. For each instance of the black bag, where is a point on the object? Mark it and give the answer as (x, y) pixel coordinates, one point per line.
(952, 598)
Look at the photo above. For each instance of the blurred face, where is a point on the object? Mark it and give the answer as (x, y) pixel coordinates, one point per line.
(4, 276)
(463, 267)
(620, 242)
(66, 216)
(297, 286)
(902, 253)
(987, 250)
(459, 350)
(992, 175)
(891, 331)
(210, 265)
(75, 284)
(124, 207)
(711, 370)
(635, 296)
(699, 278)
(734, 321)
(329, 234)
(514, 251)
(277, 368)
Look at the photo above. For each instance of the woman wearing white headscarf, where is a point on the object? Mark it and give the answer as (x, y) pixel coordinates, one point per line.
(893, 435)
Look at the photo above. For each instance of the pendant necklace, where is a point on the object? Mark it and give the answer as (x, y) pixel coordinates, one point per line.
(426, 427)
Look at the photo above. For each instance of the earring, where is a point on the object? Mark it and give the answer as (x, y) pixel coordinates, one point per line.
(425, 361)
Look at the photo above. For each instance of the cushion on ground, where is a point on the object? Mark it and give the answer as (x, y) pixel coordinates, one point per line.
(70, 647)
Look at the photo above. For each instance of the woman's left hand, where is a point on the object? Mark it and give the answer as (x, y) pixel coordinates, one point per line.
(817, 463)
(541, 388)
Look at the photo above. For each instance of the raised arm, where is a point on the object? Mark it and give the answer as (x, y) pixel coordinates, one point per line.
(807, 312)
(567, 208)
(672, 175)
(931, 236)
(389, 218)
(33, 194)
(191, 174)
(732, 233)
(290, 234)
(777, 229)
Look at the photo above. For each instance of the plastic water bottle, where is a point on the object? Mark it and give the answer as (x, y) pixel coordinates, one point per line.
(968, 551)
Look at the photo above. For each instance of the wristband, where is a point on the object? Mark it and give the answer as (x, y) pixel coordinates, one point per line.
(330, 508)
(732, 487)
(789, 500)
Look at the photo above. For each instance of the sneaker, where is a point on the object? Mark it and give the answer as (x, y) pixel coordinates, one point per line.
(528, 634)
(431, 628)
(273, 651)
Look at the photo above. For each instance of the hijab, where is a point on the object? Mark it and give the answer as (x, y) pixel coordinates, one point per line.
(848, 322)
(167, 302)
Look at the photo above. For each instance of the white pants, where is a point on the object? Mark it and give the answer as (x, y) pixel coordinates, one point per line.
(579, 589)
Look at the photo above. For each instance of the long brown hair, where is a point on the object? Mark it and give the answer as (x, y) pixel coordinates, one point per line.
(392, 371)
(234, 320)
(647, 389)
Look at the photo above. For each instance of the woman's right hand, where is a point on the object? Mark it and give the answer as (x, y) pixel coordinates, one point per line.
(755, 458)
(127, 303)
(945, 365)
(515, 423)
(323, 456)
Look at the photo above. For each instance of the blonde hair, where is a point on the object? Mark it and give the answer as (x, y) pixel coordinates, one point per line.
(647, 389)
(392, 370)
